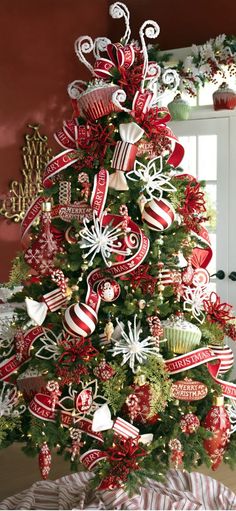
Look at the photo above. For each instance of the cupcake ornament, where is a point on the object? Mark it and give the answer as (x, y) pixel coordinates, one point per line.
(182, 336)
(224, 98)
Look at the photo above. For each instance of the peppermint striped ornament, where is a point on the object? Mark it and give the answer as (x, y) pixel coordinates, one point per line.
(55, 299)
(80, 319)
(125, 429)
(158, 214)
(225, 354)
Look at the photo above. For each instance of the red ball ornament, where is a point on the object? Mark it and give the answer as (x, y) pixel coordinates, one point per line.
(80, 320)
(108, 290)
(218, 422)
(158, 214)
(189, 423)
(45, 459)
(138, 405)
(225, 355)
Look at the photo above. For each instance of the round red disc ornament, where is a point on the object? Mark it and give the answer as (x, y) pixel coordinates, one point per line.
(108, 290)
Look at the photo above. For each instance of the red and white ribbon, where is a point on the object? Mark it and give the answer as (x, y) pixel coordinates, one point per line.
(92, 457)
(30, 216)
(58, 164)
(72, 135)
(125, 429)
(41, 407)
(12, 364)
(99, 193)
(197, 357)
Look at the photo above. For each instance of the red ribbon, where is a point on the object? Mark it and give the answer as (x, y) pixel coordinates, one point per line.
(120, 56)
(153, 122)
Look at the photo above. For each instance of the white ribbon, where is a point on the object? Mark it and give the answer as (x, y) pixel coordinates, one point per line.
(37, 311)
(102, 419)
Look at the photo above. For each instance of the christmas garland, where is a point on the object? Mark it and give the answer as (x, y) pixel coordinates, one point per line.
(204, 63)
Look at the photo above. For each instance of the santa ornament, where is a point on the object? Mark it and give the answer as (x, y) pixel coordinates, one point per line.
(108, 290)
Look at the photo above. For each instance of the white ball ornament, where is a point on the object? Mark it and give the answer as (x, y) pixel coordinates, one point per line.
(158, 214)
(80, 320)
(225, 354)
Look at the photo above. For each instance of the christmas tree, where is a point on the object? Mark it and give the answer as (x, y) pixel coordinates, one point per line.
(118, 360)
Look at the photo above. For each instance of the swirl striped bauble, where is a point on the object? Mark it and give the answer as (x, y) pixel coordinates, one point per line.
(158, 214)
(225, 354)
(80, 320)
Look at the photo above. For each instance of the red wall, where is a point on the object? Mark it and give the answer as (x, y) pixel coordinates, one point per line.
(182, 22)
(38, 61)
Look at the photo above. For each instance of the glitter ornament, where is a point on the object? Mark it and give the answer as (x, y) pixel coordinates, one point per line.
(108, 290)
(104, 371)
(176, 451)
(80, 320)
(138, 405)
(218, 422)
(158, 214)
(189, 423)
(45, 460)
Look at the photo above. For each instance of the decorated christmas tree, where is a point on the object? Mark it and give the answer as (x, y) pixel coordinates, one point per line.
(118, 361)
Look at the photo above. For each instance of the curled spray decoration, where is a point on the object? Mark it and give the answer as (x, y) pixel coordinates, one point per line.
(132, 240)
(84, 44)
(118, 97)
(151, 30)
(170, 78)
(75, 88)
(119, 10)
(100, 44)
(154, 70)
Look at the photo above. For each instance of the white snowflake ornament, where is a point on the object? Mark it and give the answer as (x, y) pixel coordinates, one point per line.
(231, 409)
(131, 347)
(99, 239)
(193, 301)
(9, 401)
(155, 182)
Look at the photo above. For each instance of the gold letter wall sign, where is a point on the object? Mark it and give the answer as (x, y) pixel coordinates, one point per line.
(35, 155)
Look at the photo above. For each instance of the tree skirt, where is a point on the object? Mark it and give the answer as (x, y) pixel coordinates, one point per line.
(181, 491)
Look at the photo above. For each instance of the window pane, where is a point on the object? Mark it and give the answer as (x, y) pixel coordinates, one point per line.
(188, 163)
(207, 157)
(210, 196)
(212, 265)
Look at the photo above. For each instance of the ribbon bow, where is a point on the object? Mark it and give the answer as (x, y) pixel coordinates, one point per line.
(126, 450)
